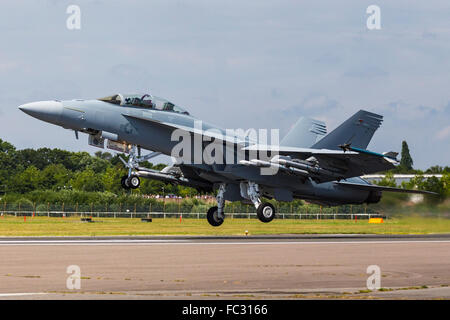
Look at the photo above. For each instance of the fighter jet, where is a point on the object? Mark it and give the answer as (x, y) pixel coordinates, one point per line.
(306, 164)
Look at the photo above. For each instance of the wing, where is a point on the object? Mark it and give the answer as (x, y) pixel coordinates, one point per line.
(381, 188)
(216, 133)
(328, 165)
(320, 164)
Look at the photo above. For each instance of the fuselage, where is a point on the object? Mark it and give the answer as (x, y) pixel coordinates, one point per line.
(153, 129)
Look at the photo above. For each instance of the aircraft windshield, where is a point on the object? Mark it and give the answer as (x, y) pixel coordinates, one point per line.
(144, 101)
(115, 99)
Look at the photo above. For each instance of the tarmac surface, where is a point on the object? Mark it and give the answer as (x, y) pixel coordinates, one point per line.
(253, 267)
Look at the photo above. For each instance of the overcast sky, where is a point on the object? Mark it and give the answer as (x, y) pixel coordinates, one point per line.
(238, 64)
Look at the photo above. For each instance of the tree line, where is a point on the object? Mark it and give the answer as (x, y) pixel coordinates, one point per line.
(29, 170)
(434, 184)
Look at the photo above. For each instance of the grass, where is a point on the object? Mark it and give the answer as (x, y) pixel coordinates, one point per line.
(43, 226)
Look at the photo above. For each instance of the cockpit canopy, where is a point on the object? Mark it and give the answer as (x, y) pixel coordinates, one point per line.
(144, 101)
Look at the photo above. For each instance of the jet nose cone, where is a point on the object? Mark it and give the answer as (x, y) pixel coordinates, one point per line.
(49, 111)
(27, 108)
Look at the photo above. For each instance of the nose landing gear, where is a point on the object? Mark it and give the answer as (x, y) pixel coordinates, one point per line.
(213, 217)
(132, 180)
(216, 215)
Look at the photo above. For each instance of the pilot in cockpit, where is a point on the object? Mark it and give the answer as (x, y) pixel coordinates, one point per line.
(136, 102)
(146, 101)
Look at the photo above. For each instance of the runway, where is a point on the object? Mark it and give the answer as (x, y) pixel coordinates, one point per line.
(274, 267)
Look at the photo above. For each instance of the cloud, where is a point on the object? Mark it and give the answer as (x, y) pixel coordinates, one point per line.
(314, 103)
(429, 35)
(366, 72)
(127, 70)
(408, 111)
(443, 134)
(7, 66)
(237, 64)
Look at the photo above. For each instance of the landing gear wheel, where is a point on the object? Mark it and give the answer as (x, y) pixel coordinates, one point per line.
(213, 217)
(133, 182)
(265, 212)
(124, 183)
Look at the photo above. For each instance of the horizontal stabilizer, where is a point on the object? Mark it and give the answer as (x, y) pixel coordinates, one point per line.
(381, 188)
(391, 154)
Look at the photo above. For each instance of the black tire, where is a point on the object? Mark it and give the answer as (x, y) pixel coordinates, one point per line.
(133, 182)
(213, 218)
(123, 182)
(265, 212)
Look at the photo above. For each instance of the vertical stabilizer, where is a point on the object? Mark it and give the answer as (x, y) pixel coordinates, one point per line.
(357, 131)
(304, 133)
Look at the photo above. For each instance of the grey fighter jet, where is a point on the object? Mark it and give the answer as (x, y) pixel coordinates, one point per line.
(306, 164)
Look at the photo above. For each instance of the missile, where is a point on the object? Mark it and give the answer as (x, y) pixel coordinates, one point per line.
(266, 164)
(166, 177)
(261, 163)
(307, 167)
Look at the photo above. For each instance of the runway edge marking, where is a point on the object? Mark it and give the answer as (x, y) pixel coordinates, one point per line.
(185, 242)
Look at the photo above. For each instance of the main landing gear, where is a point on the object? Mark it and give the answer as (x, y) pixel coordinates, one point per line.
(216, 215)
(132, 180)
(265, 211)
